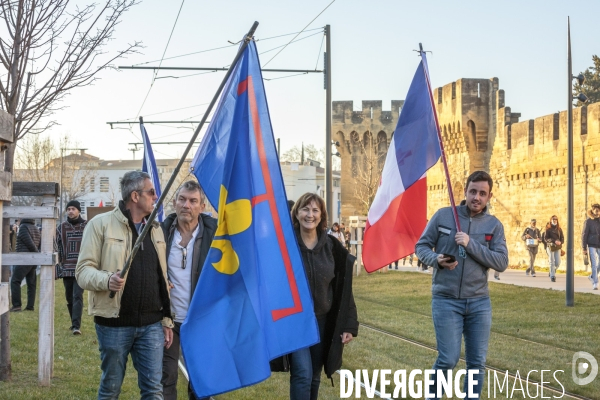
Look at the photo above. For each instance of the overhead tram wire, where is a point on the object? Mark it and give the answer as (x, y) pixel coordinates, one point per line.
(222, 47)
(215, 69)
(313, 20)
(163, 56)
(319, 53)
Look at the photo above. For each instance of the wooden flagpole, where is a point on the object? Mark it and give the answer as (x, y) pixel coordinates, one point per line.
(443, 153)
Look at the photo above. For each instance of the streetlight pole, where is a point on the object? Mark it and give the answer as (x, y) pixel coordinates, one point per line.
(570, 213)
(570, 202)
(328, 166)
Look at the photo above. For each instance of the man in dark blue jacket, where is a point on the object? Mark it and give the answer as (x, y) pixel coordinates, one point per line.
(590, 238)
(189, 234)
(461, 260)
(28, 241)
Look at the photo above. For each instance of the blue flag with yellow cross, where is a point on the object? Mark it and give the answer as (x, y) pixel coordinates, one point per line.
(252, 302)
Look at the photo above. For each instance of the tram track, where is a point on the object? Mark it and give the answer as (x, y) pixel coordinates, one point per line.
(563, 393)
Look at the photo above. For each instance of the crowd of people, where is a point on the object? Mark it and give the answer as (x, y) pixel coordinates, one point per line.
(144, 318)
(151, 303)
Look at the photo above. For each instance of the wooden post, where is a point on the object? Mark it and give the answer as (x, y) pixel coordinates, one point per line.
(4, 303)
(357, 226)
(46, 259)
(46, 324)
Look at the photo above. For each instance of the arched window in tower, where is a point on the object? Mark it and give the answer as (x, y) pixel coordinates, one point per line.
(382, 146)
(355, 148)
(472, 136)
(369, 151)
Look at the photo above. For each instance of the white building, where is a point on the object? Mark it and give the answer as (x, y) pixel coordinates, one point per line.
(310, 177)
(105, 186)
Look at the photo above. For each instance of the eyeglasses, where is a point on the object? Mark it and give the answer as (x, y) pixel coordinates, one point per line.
(184, 258)
(554, 219)
(152, 192)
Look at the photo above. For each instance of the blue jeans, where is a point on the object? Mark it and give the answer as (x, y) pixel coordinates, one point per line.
(594, 253)
(453, 318)
(305, 368)
(553, 260)
(145, 344)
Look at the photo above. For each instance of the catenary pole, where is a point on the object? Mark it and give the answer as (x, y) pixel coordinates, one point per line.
(161, 199)
(570, 214)
(328, 166)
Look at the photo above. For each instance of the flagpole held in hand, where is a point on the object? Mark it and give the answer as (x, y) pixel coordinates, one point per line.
(461, 249)
(161, 199)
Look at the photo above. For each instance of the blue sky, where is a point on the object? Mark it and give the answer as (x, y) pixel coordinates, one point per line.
(523, 43)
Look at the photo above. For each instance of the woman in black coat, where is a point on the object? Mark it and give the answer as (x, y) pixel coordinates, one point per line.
(328, 267)
(554, 239)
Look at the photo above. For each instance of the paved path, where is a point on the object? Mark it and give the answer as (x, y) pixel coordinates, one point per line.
(542, 280)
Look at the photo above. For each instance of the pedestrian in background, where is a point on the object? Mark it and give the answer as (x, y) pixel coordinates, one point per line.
(28, 241)
(590, 239)
(532, 238)
(67, 244)
(554, 239)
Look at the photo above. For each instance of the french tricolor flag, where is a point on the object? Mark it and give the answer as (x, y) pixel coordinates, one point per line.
(398, 214)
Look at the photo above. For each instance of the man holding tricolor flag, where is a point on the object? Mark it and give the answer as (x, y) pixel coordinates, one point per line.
(398, 214)
(460, 304)
(252, 302)
(149, 166)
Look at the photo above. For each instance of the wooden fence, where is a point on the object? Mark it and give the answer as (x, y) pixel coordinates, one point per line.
(46, 258)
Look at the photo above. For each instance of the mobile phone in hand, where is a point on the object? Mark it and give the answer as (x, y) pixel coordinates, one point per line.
(450, 258)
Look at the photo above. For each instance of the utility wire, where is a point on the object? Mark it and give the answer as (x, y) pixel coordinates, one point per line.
(284, 45)
(283, 77)
(319, 54)
(164, 52)
(222, 47)
(300, 32)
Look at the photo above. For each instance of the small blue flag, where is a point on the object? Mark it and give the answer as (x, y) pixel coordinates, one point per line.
(252, 302)
(149, 166)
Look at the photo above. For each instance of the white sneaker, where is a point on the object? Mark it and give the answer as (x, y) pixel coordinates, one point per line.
(595, 286)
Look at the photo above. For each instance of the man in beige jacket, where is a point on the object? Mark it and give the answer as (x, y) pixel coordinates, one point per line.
(138, 319)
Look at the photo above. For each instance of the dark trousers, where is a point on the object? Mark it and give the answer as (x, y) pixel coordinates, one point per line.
(532, 253)
(74, 295)
(20, 272)
(171, 368)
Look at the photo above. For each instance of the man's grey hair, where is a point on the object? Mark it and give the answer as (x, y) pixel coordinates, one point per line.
(190, 186)
(131, 182)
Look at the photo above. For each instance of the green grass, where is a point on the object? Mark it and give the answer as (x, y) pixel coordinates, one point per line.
(532, 329)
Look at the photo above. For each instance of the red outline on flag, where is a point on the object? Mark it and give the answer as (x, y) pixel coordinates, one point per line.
(270, 197)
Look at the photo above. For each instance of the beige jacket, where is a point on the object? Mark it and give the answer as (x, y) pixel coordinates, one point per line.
(105, 246)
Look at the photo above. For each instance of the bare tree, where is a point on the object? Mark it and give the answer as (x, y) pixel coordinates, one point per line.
(367, 169)
(40, 159)
(48, 48)
(312, 152)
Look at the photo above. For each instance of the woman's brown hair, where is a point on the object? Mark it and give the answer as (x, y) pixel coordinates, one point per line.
(549, 224)
(305, 200)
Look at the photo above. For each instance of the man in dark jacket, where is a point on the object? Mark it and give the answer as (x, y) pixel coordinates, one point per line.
(189, 235)
(590, 238)
(460, 303)
(28, 241)
(67, 244)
